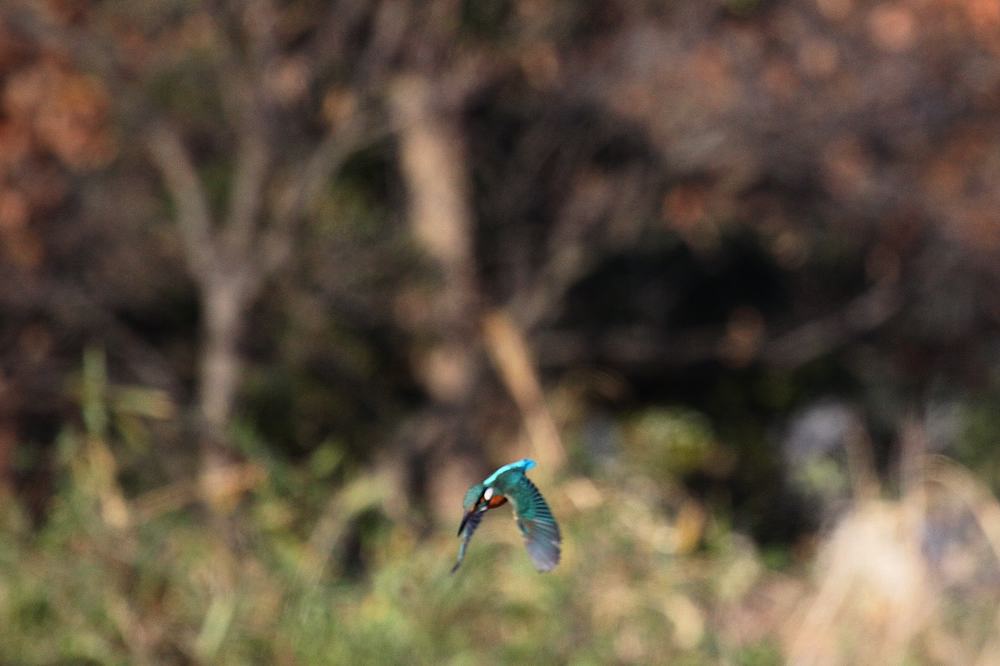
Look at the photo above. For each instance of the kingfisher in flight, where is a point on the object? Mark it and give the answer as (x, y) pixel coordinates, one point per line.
(534, 518)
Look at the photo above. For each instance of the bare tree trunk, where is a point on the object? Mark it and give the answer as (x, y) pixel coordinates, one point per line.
(433, 165)
(231, 258)
(224, 302)
(223, 268)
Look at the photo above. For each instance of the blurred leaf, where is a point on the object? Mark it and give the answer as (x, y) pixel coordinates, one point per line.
(671, 442)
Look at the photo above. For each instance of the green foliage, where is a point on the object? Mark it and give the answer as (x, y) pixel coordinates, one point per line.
(321, 563)
(88, 588)
(671, 442)
(486, 19)
(977, 444)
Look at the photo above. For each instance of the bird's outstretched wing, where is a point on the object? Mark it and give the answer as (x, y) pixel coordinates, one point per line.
(538, 526)
(470, 526)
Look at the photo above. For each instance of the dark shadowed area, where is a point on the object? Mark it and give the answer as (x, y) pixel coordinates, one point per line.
(281, 279)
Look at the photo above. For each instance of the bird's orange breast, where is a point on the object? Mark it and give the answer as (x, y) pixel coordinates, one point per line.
(495, 501)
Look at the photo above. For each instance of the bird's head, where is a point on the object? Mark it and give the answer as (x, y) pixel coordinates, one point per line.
(487, 499)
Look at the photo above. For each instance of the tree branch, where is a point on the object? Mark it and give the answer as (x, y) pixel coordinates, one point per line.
(182, 183)
(253, 160)
(815, 338)
(330, 39)
(799, 345)
(307, 184)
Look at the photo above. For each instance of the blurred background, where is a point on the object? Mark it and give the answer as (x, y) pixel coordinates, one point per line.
(280, 278)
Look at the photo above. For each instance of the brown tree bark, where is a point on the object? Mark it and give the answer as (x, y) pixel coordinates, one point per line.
(231, 259)
(225, 301)
(433, 165)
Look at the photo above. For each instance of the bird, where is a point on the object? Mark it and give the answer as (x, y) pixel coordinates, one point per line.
(534, 518)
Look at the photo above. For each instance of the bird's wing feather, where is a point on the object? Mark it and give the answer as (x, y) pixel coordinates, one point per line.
(537, 524)
(470, 527)
(471, 495)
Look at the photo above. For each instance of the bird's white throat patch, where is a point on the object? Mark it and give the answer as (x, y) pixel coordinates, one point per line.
(488, 494)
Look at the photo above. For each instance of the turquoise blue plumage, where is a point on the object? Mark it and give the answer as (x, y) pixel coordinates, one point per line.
(534, 518)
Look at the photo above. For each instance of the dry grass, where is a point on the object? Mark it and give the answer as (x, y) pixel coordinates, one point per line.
(649, 575)
(910, 580)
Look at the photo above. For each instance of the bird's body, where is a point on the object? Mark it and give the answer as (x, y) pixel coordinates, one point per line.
(534, 518)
